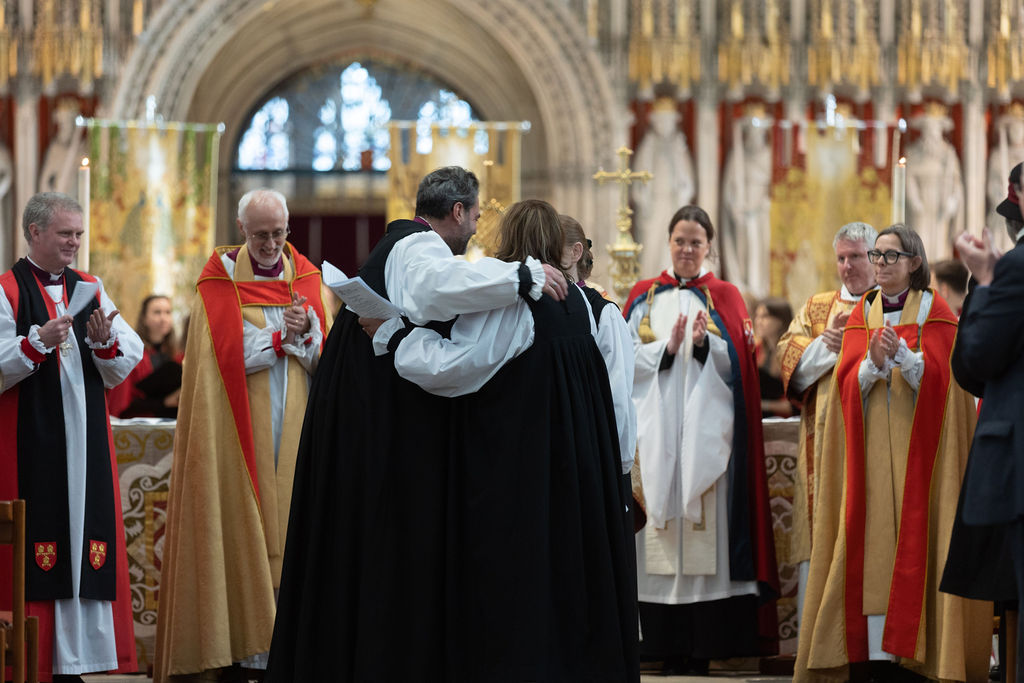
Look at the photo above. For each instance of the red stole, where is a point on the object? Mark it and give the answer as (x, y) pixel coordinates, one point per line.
(223, 299)
(907, 590)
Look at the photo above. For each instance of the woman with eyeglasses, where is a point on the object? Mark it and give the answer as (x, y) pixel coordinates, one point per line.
(896, 439)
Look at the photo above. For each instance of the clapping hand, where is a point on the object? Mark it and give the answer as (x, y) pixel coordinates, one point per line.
(700, 328)
(832, 337)
(884, 344)
(296, 321)
(98, 326)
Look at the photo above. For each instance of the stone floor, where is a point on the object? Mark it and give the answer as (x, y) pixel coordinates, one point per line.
(732, 676)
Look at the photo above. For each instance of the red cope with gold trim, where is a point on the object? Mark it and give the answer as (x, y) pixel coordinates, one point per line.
(46, 555)
(223, 298)
(907, 589)
(97, 553)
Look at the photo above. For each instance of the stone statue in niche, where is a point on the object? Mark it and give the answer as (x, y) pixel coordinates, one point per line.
(665, 153)
(1008, 152)
(746, 206)
(935, 187)
(64, 154)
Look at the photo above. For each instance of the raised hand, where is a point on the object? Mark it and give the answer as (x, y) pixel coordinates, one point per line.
(98, 326)
(675, 338)
(700, 328)
(296, 321)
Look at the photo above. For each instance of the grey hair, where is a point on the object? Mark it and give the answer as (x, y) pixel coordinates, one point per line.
(443, 188)
(261, 195)
(856, 231)
(40, 209)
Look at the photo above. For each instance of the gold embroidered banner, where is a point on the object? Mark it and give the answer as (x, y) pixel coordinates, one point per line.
(153, 193)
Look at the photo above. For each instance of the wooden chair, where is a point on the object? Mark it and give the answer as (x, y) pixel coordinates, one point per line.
(19, 636)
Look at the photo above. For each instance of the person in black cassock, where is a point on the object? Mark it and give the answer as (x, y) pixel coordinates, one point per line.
(366, 576)
(540, 581)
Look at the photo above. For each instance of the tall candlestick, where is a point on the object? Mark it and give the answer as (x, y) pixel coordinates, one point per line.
(899, 191)
(83, 199)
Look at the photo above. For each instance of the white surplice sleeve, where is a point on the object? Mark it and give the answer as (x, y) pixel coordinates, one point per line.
(427, 283)
(129, 345)
(480, 345)
(14, 364)
(814, 363)
(616, 346)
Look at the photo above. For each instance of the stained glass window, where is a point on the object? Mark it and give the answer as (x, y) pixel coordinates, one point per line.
(328, 118)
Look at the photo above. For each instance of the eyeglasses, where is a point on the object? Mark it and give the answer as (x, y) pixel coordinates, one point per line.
(277, 235)
(891, 256)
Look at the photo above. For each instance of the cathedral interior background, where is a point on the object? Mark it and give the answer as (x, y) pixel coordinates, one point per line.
(783, 118)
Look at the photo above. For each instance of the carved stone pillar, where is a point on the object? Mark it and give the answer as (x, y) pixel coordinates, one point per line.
(26, 151)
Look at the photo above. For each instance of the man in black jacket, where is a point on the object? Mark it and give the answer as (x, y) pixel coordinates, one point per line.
(988, 360)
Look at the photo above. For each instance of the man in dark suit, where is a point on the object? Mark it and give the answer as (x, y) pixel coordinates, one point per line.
(988, 360)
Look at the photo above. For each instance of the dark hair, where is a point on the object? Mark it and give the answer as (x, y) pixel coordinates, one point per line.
(910, 241)
(168, 344)
(696, 214)
(443, 188)
(572, 232)
(953, 273)
(530, 228)
(40, 209)
(779, 309)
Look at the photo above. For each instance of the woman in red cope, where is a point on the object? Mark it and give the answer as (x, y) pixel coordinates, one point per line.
(157, 396)
(896, 438)
(706, 569)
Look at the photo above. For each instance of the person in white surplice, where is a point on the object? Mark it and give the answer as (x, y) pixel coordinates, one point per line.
(705, 559)
(55, 361)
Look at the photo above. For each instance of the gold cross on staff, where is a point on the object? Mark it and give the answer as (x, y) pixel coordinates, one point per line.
(625, 252)
(625, 177)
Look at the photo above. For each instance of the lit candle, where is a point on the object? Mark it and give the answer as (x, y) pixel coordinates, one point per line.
(899, 191)
(83, 199)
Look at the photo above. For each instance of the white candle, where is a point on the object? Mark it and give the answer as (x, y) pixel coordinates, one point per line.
(83, 199)
(899, 191)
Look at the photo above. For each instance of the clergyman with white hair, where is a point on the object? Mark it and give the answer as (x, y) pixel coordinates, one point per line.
(257, 326)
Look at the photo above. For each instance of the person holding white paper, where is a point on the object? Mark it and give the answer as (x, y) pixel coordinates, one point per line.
(706, 555)
(55, 362)
(363, 588)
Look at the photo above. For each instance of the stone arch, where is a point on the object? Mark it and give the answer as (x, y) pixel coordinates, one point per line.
(212, 60)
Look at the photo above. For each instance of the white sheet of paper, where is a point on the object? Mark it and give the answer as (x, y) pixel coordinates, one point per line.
(357, 295)
(84, 292)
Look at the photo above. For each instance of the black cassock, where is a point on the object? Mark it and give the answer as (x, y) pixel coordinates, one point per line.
(474, 539)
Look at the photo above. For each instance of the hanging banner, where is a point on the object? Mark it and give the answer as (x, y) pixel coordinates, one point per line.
(153, 193)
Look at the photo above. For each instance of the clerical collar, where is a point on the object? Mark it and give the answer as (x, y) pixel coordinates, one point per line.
(894, 303)
(273, 271)
(1020, 234)
(44, 276)
(846, 295)
(685, 281)
(424, 221)
(263, 271)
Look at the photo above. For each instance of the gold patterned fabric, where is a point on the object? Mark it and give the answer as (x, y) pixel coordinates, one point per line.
(153, 192)
(810, 321)
(144, 468)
